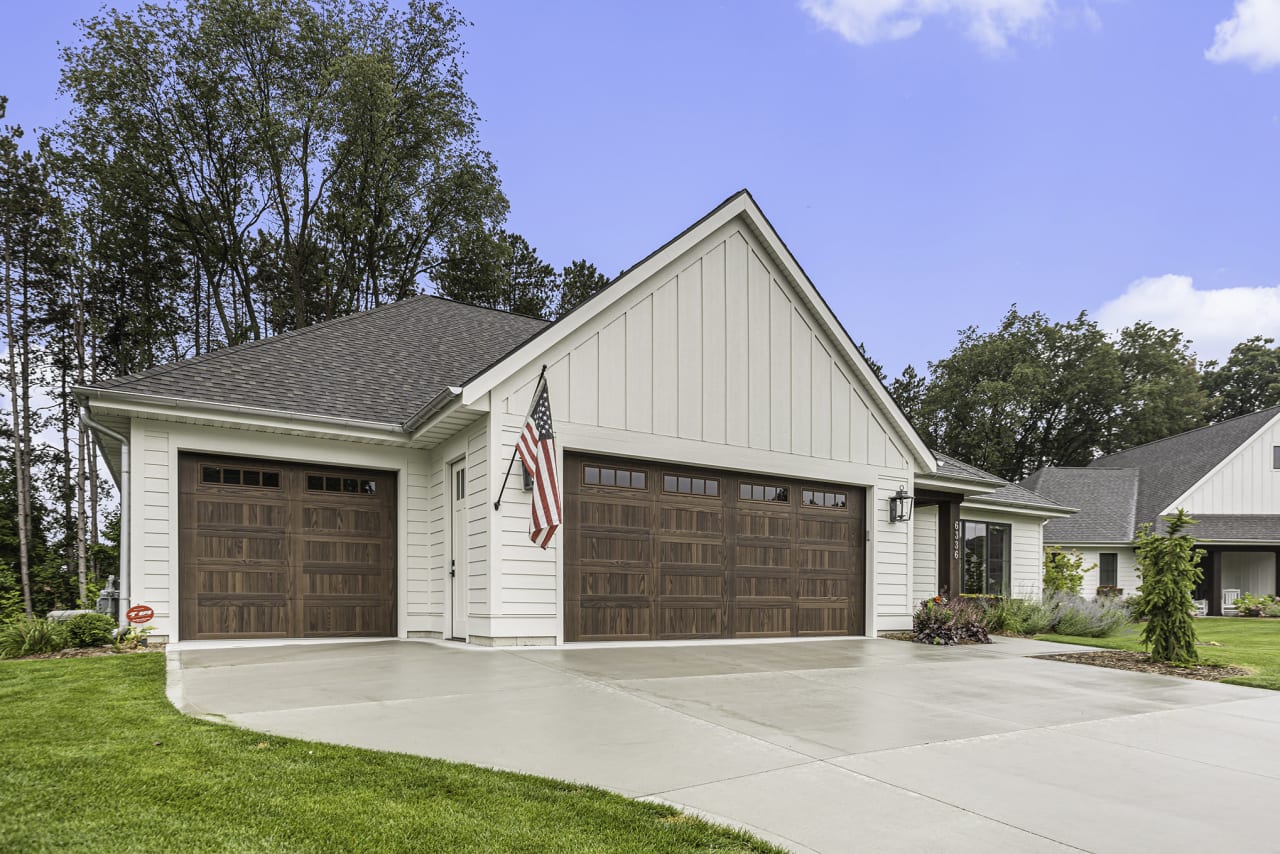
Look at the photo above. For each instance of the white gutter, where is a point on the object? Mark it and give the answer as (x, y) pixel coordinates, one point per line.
(125, 499)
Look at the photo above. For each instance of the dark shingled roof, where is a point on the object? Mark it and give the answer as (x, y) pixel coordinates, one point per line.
(1008, 493)
(951, 467)
(1121, 492)
(381, 365)
(1105, 497)
(1172, 466)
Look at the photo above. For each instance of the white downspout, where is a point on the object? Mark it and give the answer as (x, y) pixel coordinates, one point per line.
(125, 500)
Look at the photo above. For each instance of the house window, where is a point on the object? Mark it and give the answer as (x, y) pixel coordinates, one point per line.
(763, 492)
(460, 483)
(688, 485)
(986, 560)
(604, 476)
(1275, 457)
(818, 498)
(1108, 574)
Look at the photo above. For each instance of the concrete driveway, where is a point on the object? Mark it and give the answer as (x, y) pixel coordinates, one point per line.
(832, 745)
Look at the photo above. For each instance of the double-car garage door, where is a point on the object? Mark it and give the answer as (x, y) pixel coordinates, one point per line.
(665, 552)
(269, 549)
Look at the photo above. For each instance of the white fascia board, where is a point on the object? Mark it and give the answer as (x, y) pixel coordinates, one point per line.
(967, 487)
(740, 205)
(134, 405)
(1019, 509)
(1173, 507)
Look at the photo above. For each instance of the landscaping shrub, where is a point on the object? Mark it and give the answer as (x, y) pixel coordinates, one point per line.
(90, 630)
(1169, 564)
(1083, 618)
(1019, 617)
(1272, 609)
(1063, 571)
(940, 622)
(31, 636)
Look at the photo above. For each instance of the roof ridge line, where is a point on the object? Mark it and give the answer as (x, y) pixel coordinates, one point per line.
(160, 370)
(1188, 432)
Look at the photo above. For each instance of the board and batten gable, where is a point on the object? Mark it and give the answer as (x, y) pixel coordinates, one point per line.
(1245, 483)
(715, 361)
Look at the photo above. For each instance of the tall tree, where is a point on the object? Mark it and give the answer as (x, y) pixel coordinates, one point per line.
(1161, 394)
(1248, 381)
(578, 283)
(498, 269)
(1029, 394)
(280, 162)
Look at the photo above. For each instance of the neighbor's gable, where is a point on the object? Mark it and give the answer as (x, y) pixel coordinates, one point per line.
(1245, 483)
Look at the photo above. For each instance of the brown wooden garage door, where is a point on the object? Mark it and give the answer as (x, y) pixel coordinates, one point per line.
(666, 552)
(268, 549)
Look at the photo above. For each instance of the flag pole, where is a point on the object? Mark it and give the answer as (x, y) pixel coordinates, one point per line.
(541, 379)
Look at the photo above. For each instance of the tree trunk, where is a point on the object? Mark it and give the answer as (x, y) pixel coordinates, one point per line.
(19, 462)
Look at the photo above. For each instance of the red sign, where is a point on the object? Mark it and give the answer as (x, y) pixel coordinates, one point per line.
(140, 614)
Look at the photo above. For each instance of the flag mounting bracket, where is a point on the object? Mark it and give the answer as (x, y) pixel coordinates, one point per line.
(541, 376)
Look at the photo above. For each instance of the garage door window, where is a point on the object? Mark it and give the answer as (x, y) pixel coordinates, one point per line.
(229, 476)
(349, 485)
(763, 492)
(624, 478)
(679, 484)
(817, 498)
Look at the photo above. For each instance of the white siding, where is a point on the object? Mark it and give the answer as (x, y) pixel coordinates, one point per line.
(1249, 572)
(478, 516)
(892, 559)
(155, 540)
(1127, 577)
(1247, 483)
(924, 566)
(720, 350)
(1027, 554)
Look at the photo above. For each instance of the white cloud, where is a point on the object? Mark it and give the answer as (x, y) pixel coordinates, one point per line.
(991, 23)
(1215, 320)
(1251, 36)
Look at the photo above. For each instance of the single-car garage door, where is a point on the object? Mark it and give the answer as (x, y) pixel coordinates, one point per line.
(666, 552)
(269, 549)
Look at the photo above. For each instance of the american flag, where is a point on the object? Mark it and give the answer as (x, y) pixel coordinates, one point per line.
(537, 449)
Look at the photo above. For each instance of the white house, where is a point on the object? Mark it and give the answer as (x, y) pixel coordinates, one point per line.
(1227, 476)
(727, 464)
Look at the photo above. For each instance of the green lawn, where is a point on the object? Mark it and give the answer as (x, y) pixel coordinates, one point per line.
(93, 757)
(1252, 643)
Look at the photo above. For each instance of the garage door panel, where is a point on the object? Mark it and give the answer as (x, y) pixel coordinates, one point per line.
(614, 549)
(823, 620)
(764, 620)
(691, 620)
(756, 524)
(263, 554)
(613, 513)
(611, 582)
(687, 583)
(708, 521)
(615, 621)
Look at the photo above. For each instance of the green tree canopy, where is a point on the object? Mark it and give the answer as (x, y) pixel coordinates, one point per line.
(578, 283)
(1248, 381)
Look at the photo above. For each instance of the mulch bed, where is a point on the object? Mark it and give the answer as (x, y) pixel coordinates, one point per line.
(1142, 663)
(86, 652)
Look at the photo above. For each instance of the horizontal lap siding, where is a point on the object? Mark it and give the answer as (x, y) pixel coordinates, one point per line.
(1027, 552)
(1127, 578)
(478, 521)
(892, 560)
(156, 530)
(924, 557)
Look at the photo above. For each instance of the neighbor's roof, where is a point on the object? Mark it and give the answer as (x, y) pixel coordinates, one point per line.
(380, 365)
(1171, 466)
(1106, 499)
(1121, 492)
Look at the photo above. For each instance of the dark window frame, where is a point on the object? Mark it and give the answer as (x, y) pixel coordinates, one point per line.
(1108, 576)
(697, 486)
(780, 495)
(1275, 457)
(339, 485)
(831, 499)
(265, 478)
(969, 572)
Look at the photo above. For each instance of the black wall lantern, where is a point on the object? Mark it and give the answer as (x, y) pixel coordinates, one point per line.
(900, 504)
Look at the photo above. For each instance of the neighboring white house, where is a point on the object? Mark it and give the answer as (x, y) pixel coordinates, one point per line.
(727, 463)
(1227, 476)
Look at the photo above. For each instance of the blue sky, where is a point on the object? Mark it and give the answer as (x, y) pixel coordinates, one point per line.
(927, 161)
